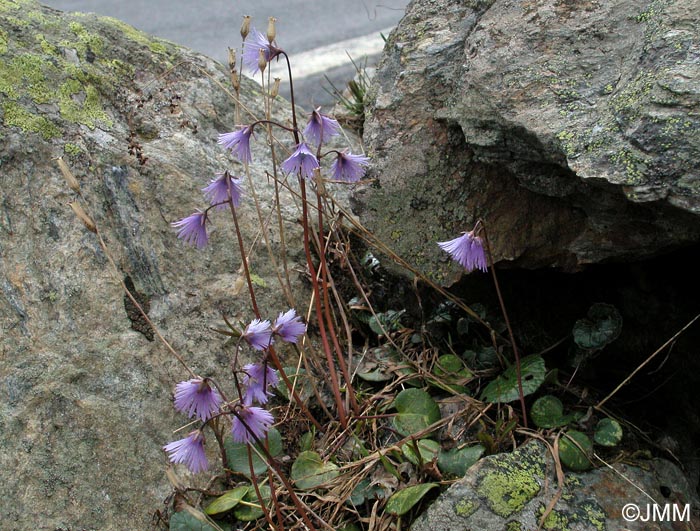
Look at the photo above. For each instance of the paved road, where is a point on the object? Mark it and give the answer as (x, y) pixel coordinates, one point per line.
(306, 29)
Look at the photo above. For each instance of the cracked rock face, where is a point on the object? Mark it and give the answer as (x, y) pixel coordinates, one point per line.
(572, 129)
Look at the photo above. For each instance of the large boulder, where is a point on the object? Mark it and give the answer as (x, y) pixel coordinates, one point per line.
(84, 389)
(571, 128)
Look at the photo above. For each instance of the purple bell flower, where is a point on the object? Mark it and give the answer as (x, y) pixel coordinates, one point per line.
(321, 127)
(196, 398)
(258, 378)
(348, 167)
(302, 160)
(192, 229)
(467, 250)
(189, 452)
(289, 326)
(238, 142)
(258, 334)
(221, 187)
(257, 420)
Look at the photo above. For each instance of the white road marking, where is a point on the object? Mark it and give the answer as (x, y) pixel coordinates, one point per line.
(324, 58)
(327, 57)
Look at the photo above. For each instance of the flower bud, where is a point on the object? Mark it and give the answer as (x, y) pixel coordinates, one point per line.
(235, 81)
(82, 216)
(245, 27)
(232, 59)
(73, 183)
(262, 62)
(271, 31)
(275, 88)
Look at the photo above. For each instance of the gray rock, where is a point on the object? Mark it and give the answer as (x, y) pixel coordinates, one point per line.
(571, 128)
(510, 492)
(84, 393)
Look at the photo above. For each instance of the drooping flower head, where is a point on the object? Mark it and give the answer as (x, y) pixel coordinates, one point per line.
(348, 167)
(321, 127)
(192, 229)
(223, 186)
(249, 421)
(257, 379)
(238, 142)
(255, 42)
(259, 334)
(289, 326)
(467, 250)
(196, 398)
(302, 160)
(189, 452)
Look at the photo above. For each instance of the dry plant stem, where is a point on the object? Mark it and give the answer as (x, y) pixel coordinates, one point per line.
(646, 361)
(516, 354)
(305, 221)
(278, 208)
(319, 312)
(244, 260)
(273, 464)
(271, 351)
(254, 481)
(323, 266)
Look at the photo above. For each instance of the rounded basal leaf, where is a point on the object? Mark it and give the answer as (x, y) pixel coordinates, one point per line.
(416, 411)
(309, 471)
(420, 452)
(608, 432)
(575, 451)
(237, 454)
(306, 441)
(364, 491)
(451, 373)
(548, 412)
(250, 508)
(457, 461)
(303, 384)
(402, 501)
(387, 322)
(505, 387)
(601, 326)
(376, 365)
(227, 501)
(185, 521)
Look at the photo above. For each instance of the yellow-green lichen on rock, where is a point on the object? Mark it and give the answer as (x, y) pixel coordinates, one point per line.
(513, 482)
(56, 73)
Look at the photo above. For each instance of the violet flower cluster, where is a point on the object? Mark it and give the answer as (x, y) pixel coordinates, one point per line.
(198, 397)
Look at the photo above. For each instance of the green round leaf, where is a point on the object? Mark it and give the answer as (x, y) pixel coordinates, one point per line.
(505, 387)
(548, 412)
(417, 410)
(427, 451)
(227, 501)
(248, 509)
(402, 501)
(301, 381)
(457, 461)
(571, 455)
(608, 432)
(601, 326)
(185, 521)
(309, 471)
(237, 454)
(366, 491)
